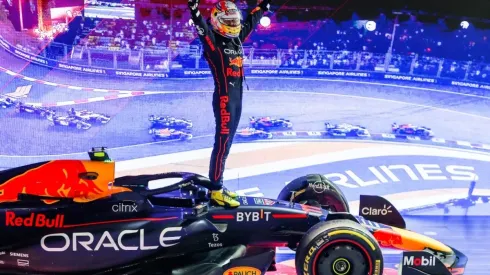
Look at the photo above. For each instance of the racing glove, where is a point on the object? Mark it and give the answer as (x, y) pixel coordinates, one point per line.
(193, 6)
(265, 5)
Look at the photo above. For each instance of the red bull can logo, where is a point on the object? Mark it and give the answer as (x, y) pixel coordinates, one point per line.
(237, 62)
(34, 220)
(53, 179)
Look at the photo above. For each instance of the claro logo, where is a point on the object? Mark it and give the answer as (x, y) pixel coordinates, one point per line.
(34, 220)
(419, 261)
(370, 211)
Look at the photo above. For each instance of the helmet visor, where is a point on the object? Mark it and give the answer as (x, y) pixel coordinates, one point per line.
(231, 21)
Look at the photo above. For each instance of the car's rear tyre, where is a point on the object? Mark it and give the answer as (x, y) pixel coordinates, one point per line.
(315, 188)
(338, 247)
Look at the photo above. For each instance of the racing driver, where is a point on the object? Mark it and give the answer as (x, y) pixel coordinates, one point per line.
(222, 38)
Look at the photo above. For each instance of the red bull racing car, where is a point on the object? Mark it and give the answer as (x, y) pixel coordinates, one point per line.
(6, 102)
(170, 122)
(269, 123)
(89, 116)
(412, 130)
(252, 134)
(160, 134)
(42, 112)
(73, 216)
(68, 121)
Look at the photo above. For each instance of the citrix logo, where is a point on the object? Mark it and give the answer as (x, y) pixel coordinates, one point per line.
(376, 212)
(419, 261)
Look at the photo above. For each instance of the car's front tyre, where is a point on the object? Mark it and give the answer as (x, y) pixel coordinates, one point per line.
(339, 247)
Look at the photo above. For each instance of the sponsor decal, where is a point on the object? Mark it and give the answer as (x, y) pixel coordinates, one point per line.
(237, 62)
(22, 263)
(410, 78)
(244, 200)
(230, 72)
(224, 114)
(342, 73)
(125, 207)
(20, 255)
(30, 57)
(419, 261)
(200, 30)
(34, 220)
(215, 242)
(86, 241)
(377, 267)
(197, 72)
(264, 201)
(308, 259)
(376, 212)
(319, 187)
(233, 52)
(252, 216)
(242, 270)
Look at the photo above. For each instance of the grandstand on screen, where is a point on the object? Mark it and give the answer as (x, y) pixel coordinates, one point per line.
(157, 36)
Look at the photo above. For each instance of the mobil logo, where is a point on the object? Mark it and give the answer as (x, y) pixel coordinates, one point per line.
(243, 270)
(419, 261)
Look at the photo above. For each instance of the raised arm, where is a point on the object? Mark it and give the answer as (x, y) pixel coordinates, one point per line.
(205, 34)
(253, 19)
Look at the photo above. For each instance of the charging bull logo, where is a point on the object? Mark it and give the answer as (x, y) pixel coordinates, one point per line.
(60, 179)
(225, 115)
(237, 62)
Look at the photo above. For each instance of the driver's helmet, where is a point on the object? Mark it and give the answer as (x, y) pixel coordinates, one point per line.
(72, 110)
(226, 19)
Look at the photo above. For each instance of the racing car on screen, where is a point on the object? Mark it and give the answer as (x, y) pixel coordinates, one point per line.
(270, 123)
(68, 121)
(78, 216)
(42, 112)
(6, 102)
(412, 130)
(159, 134)
(346, 130)
(89, 116)
(170, 122)
(252, 133)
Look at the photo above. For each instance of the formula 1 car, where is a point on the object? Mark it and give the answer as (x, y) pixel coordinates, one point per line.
(252, 134)
(89, 116)
(411, 130)
(42, 112)
(170, 122)
(73, 216)
(6, 102)
(268, 123)
(159, 134)
(68, 121)
(346, 130)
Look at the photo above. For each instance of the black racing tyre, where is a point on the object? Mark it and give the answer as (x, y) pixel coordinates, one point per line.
(338, 247)
(317, 188)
